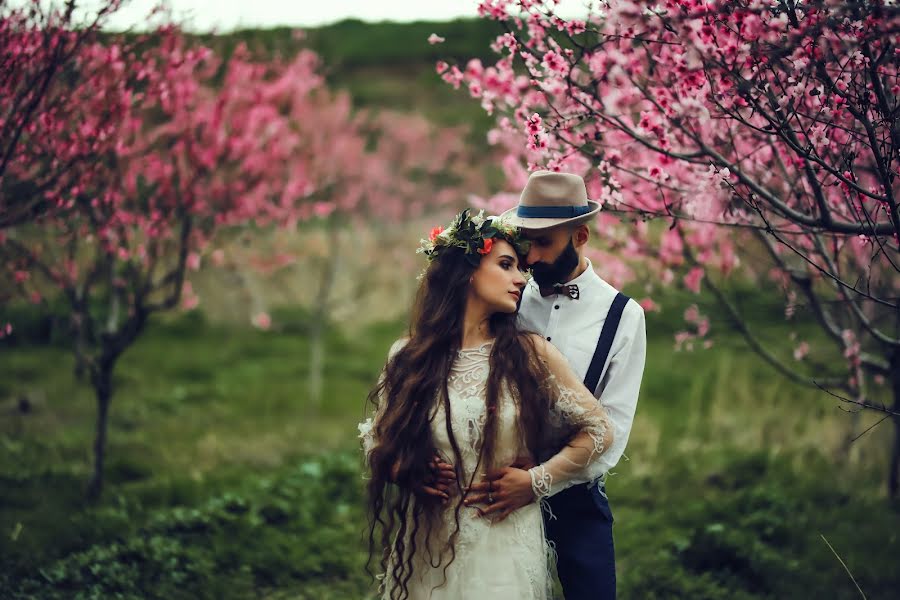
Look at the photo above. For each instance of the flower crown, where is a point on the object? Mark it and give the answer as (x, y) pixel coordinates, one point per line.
(475, 234)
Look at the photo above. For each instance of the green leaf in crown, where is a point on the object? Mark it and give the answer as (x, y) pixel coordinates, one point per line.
(469, 232)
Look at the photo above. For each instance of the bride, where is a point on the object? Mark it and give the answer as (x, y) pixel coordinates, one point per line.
(469, 385)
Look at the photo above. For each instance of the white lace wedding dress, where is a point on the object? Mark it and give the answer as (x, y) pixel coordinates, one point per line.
(507, 559)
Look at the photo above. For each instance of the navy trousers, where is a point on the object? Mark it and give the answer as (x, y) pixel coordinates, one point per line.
(582, 534)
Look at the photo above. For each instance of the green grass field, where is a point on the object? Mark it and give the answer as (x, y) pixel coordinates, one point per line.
(223, 481)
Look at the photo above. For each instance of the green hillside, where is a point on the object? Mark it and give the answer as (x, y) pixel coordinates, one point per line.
(386, 65)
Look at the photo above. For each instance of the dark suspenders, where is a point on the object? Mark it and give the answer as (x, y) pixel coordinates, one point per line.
(592, 379)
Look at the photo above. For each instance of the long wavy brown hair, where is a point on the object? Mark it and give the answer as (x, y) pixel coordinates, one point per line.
(413, 387)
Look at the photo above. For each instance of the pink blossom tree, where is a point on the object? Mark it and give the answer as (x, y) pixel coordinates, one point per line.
(39, 46)
(764, 135)
(399, 168)
(178, 149)
(411, 168)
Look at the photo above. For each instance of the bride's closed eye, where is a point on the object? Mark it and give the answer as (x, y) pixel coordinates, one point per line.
(507, 262)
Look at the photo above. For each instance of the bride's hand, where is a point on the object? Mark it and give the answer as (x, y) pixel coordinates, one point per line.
(503, 491)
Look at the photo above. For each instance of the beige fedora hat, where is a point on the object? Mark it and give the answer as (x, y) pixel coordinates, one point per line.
(550, 199)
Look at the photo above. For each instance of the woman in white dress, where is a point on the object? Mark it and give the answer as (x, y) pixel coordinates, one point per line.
(469, 385)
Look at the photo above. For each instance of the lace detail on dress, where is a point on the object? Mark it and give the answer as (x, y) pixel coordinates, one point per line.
(367, 429)
(540, 481)
(467, 383)
(367, 435)
(469, 372)
(572, 411)
(577, 415)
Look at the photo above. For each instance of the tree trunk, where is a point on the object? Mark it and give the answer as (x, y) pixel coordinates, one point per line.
(319, 325)
(102, 381)
(316, 362)
(894, 472)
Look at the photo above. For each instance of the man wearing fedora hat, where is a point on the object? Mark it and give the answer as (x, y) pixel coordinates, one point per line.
(602, 334)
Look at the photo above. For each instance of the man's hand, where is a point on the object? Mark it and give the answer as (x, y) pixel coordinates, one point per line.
(442, 481)
(503, 491)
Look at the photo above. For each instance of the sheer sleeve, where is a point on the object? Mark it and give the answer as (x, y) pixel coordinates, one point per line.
(576, 410)
(367, 428)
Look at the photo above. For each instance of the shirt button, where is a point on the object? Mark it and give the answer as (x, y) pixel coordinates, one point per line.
(556, 307)
(548, 339)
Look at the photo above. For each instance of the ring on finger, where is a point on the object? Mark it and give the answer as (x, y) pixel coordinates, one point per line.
(490, 498)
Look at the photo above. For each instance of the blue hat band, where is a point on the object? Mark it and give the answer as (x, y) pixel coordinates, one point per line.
(552, 212)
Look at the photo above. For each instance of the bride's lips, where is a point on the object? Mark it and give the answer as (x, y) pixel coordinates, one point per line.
(518, 295)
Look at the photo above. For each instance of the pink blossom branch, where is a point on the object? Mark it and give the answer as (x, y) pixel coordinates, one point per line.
(860, 403)
(741, 326)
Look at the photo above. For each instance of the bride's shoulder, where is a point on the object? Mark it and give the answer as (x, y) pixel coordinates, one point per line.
(397, 346)
(535, 340)
(543, 349)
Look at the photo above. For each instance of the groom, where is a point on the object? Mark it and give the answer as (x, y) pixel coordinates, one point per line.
(602, 334)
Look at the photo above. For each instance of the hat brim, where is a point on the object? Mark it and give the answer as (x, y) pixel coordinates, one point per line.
(510, 217)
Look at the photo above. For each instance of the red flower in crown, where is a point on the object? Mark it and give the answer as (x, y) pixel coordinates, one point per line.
(488, 244)
(435, 232)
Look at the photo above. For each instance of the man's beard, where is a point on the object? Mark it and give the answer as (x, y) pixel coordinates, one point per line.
(548, 275)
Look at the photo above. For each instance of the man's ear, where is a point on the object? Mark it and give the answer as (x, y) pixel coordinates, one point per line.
(580, 235)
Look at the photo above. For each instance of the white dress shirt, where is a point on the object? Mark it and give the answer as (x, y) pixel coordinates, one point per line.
(573, 326)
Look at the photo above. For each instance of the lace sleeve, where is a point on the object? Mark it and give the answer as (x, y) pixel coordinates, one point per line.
(367, 428)
(575, 408)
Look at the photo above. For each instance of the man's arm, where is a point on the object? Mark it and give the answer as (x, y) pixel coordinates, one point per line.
(619, 389)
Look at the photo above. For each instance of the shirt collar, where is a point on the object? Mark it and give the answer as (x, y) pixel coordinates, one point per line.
(588, 279)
